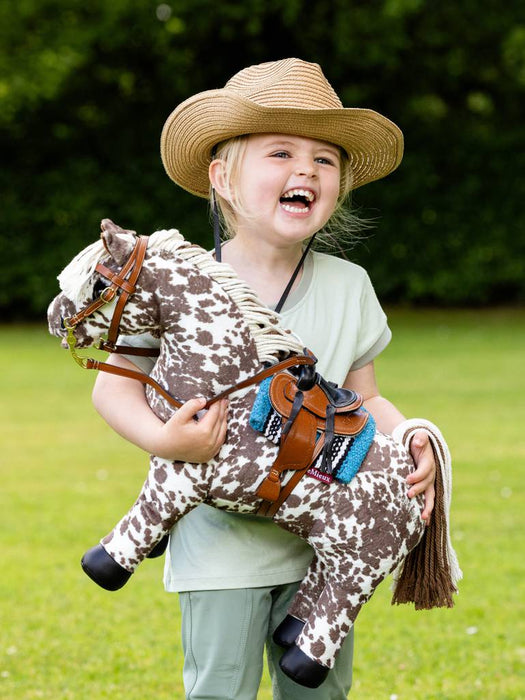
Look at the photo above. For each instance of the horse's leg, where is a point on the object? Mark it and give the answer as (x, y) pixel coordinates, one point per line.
(170, 491)
(370, 526)
(304, 601)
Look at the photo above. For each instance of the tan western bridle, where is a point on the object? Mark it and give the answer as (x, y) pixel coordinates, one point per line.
(122, 285)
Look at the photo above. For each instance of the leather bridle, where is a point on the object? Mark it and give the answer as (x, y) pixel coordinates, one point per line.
(123, 285)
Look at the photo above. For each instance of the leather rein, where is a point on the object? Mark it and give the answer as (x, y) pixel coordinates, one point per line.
(122, 285)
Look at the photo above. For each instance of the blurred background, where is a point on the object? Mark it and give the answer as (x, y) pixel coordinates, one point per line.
(85, 88)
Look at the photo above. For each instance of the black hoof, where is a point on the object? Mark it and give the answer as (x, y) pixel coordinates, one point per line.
(288, 631)
(103, 569)
(302, 669)
(159, 549)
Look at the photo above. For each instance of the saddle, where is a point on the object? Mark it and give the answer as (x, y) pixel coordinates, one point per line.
(315, 423)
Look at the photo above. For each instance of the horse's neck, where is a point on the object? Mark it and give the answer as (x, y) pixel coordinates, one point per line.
(190, 370)
(207, 345)
(215, 332)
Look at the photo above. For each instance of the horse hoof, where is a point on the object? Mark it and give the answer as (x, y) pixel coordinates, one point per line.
(103, 569)
(302, 669)
(288, 631)
(159, 549)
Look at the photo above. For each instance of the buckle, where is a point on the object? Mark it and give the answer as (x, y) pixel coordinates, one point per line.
(108, 294)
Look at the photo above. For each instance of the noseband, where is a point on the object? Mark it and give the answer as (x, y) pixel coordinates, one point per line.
(123, 284)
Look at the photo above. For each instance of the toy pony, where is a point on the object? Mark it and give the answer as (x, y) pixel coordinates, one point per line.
(215, 333)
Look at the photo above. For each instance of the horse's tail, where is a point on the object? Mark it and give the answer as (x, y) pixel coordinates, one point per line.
(429, 575)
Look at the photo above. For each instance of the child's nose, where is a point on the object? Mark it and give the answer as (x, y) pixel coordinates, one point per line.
(306, 167)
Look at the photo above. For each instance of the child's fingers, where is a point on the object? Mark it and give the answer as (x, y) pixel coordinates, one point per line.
(430, 494)
(189, 440)
(422, 479)
(215, 417)
(215, 424)
(223, 425)
(189, 409)
(423, 457)
(215, 413)
(424, 475)
(221, 422)
(419, 444)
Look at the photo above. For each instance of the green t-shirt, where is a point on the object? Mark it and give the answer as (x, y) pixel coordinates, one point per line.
(335, 312)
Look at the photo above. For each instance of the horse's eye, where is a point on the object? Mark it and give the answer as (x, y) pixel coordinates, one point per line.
(99, 287)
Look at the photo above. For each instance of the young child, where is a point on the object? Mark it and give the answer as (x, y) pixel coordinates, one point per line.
(279, 154)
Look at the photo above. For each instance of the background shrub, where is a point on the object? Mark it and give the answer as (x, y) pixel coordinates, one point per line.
(86, 88)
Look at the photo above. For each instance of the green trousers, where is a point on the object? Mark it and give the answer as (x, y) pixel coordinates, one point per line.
(224, 634)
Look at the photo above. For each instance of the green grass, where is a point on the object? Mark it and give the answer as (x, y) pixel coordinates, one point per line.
(66, 478)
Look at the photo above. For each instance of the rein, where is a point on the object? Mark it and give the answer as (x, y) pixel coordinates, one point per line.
(123, 285)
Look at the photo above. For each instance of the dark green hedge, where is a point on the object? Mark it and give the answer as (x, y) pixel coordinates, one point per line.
(86, 88)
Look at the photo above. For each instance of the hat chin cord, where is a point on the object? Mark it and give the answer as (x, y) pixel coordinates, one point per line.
(216, 226)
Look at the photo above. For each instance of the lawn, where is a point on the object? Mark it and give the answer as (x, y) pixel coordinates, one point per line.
(66, 478)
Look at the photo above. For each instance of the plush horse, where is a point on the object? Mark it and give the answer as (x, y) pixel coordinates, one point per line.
(214, 333)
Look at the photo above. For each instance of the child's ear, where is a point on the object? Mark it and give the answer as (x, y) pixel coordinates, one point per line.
(217, 177)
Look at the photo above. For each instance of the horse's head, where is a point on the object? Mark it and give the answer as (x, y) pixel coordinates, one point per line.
(211, 322)
(91, 285)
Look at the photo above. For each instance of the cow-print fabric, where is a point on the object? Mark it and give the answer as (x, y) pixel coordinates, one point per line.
(360, 531)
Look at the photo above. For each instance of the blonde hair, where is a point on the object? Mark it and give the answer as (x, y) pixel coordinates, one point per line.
(342, 229)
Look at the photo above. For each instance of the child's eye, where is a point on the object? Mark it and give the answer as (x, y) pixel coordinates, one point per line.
(280, 154)
(325, 161)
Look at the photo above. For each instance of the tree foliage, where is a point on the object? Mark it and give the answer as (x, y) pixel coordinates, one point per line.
(85, 89)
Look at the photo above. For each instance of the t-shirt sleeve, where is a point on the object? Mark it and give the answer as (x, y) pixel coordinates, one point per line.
(374, 333)
(144, 340)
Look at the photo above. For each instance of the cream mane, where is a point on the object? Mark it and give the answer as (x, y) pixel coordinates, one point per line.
(75, 279)
(270, 338)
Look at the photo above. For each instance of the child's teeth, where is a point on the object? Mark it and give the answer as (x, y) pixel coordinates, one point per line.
(299, 193)
(288, 207)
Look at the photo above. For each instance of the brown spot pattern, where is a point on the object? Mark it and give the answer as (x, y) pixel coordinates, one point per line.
(359, 531)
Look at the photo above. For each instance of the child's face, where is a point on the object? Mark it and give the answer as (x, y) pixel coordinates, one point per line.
(288, 186)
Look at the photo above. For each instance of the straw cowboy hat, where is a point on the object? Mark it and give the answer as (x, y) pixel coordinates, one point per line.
(288, 97)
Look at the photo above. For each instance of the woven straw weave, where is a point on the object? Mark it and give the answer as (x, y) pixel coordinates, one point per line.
(288, 97)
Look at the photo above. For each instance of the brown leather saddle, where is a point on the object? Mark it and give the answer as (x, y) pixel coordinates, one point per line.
(312, 412)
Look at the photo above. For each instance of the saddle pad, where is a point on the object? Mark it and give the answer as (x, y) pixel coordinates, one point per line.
(347, 451)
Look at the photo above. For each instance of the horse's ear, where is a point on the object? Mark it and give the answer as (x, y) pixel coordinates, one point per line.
(119, 242)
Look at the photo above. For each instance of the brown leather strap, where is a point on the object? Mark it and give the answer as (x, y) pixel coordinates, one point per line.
(90, 363)
(127, 349)
(116, 279)
(106, 297)
(268, 509)
(133, 268)
(144, 378)
(295, 452)
(294, 361)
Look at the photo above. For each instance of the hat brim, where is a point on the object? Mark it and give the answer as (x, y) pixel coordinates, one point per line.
(373, 143)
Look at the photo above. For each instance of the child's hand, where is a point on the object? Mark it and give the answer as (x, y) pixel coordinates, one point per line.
(422, 480)
(187, 440)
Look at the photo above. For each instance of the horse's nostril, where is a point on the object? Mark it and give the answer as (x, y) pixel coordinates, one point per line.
(62, 324)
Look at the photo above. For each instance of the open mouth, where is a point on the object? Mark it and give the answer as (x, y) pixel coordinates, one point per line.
(297, 201)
